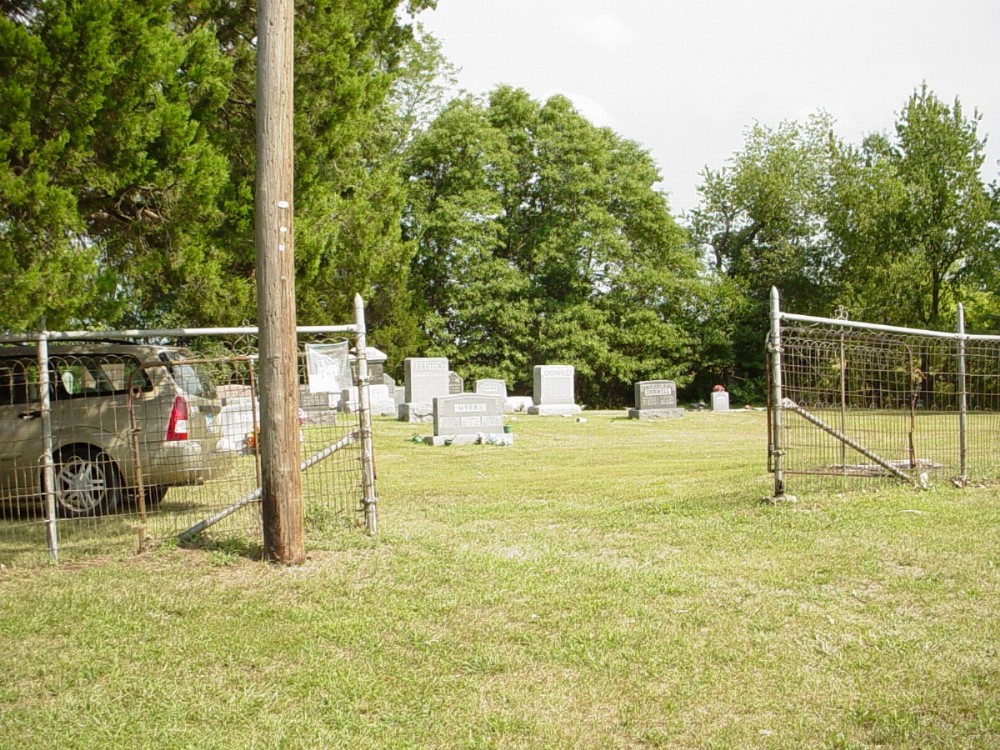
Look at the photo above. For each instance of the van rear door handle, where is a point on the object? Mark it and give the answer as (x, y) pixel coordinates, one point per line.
(33, 414)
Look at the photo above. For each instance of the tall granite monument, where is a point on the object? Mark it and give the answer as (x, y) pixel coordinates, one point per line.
(554, 391)
(425, 378)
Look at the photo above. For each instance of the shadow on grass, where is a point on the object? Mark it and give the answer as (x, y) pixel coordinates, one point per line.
(229, 547)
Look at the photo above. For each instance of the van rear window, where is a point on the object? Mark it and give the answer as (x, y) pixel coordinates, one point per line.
(192, 379)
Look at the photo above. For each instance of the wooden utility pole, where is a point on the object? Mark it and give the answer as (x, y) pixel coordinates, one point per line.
(281, 482)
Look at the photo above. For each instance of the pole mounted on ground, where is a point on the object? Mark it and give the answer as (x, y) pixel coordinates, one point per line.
(281, 483)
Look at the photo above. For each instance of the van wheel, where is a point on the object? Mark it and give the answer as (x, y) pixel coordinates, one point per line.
(154, 495)
(87, 482)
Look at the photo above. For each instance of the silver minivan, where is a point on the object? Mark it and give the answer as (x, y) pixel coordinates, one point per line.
(121, 416)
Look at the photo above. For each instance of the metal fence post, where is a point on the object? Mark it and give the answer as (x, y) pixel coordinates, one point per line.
(963, 405)
(777, 449)
(369, 495)
(48, 464)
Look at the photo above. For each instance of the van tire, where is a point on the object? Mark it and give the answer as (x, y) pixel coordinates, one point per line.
(154, 495)
(87, 482)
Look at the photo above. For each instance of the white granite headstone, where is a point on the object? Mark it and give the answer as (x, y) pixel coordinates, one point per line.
(720, 401)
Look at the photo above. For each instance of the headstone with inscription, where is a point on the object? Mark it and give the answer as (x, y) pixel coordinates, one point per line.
(456, 383)
(720, 401)
(494, 387)
(376, 364)
(554, 391)
(425, 378)
(655, 399)
(320, 408)
(467, 418)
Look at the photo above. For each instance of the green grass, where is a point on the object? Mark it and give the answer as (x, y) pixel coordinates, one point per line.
(607, 584)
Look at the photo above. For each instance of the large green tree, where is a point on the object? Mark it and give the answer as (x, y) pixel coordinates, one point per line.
(541, 238)
(348, 187)
(128, 135)
(761, 223)
(105, 160)
(912, 219)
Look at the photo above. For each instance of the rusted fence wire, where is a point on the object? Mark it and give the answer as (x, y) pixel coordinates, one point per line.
(860, 401)
(116, 441)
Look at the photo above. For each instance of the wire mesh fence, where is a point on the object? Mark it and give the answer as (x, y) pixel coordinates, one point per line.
(112, 444)
(868, 403)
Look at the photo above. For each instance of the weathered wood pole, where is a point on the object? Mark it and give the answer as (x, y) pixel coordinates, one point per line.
(281, 482)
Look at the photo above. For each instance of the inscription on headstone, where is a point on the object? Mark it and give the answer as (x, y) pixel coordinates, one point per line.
(467, 414)
(425, 378)
(553, 390)
(655, 399)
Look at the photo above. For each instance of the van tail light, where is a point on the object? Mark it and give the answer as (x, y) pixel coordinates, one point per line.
(177, 427)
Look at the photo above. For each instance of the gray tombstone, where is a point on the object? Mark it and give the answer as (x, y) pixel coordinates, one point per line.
(425, 379)
(349, 400)
(494, 387)
(456, 384)
(318, 408)
(466, 418)
(553, 391)
(655, 399)
(376, 363)
(312, 401)
(720, 401)
(382, 403)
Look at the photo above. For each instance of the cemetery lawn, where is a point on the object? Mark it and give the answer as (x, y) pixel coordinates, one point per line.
(607, 584)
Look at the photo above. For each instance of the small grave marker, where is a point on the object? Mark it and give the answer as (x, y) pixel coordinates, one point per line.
(720, 401)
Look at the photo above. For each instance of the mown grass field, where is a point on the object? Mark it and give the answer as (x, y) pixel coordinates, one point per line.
(607, 584)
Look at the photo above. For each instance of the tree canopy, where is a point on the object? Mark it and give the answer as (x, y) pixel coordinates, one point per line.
(542, 238)
(897, 230)
(501, 232)
(129, 135)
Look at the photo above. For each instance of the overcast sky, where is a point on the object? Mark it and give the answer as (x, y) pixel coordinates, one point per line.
(685, 78)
